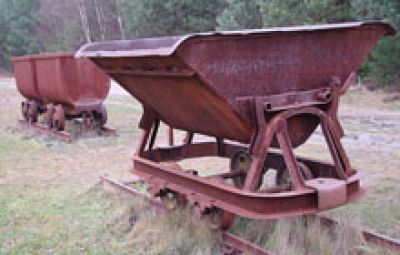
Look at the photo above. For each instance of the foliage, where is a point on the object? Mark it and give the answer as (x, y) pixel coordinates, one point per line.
(239, 15)
(28, 26)
(17, 26)
(58, 26)
(383, 65)
(171, 17)
(297, 12)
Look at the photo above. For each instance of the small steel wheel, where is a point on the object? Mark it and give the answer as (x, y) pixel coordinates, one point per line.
(219, 219)
(25, 110)
(283, 177)
(33, 112)
(102, 116)
(240, 163)
(170, 200)
(58, 122)
(50, 111)
(87, 120)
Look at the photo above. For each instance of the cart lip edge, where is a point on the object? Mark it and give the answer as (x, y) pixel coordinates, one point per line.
(46, 55)
(96, 49)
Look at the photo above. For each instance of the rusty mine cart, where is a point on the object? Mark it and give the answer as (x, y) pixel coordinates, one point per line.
(62, 87)
(260, 94)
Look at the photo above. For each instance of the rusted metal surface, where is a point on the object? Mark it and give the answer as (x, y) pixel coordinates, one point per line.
(211, 71)
(60, 78)
(211, 193)
(61, 88)
(263, 89)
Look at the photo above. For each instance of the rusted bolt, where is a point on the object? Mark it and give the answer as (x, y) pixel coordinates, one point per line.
(325, 95)
(268, 106)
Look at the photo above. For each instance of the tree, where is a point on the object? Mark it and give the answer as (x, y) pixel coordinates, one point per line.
(3, 30)
(170, 17)
(298, 12)
(383, 65)
(58, 25)
(18, 28)
(239, 15)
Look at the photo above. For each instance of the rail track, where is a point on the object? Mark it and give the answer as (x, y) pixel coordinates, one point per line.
(237, 245)
(62, 136)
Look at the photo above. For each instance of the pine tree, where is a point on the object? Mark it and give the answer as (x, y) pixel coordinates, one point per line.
(298, 12)
(170, 17)
(18, 37)
(383, 65)
(3, 30)
(240, 15)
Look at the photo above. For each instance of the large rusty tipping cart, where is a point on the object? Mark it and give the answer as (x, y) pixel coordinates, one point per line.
(61, 87)
(260, 94)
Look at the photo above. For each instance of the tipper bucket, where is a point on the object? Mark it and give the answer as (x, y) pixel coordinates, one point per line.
(198, 82)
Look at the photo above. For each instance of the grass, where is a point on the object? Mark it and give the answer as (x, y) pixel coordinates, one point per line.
(51, 201)
(305, 235)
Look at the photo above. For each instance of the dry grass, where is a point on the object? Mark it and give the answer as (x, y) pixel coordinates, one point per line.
(306, 235)
(175, 233)
(51, 203)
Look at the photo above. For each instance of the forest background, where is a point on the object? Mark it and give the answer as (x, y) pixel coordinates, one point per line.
(33, 26)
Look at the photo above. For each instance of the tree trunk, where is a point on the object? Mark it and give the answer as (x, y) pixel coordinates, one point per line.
(100, 19)
(84, 20)
(119, 18)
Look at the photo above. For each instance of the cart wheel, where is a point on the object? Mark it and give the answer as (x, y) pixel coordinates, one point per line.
(172, 200)
(240, 163)
(50, 111)
(283, 176)
(87, 120)
(24, 110)
(32, 112)
(103, 116)
(219, 219)
(58, 122)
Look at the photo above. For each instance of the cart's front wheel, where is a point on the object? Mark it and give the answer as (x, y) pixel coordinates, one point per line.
(103, 116)
(283, 176)
(88, 120)
(219, 219)
(33, 112)
(50, 111)
(59, 118)
(25, 110)
(172, 200)
(240, 163)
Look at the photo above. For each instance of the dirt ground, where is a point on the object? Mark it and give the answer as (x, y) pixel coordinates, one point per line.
(49, 192)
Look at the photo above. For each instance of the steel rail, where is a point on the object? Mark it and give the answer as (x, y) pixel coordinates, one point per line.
(128, 190)
(43, 130)
(242, 245)
(238, 245)
(62, 136)
(369, 236)
(233, 243)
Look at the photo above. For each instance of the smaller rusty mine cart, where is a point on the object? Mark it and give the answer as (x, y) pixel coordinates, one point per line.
(61, 87)
(260, 94)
